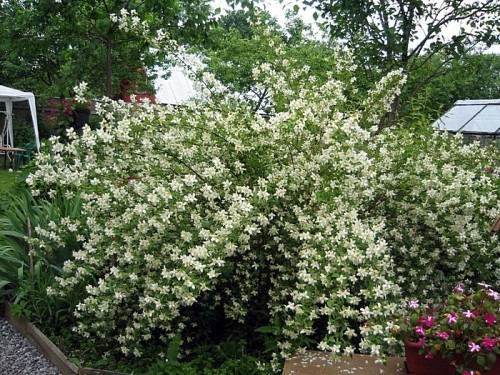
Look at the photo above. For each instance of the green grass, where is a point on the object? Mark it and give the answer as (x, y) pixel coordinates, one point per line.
(9, 181)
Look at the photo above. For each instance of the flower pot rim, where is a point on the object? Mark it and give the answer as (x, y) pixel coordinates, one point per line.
(413, 344)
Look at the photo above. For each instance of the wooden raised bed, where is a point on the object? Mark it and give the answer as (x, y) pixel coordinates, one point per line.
(48, 349)
(321, 363)
(309, 363)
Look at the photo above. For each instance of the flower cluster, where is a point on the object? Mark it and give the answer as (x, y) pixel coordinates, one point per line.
(465, 327)
(62, 111)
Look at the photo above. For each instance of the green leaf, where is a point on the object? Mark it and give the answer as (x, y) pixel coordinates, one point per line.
(481, 360)
(75, 361)
(414, 318)
(265, 329)
(491, 358)
(3, 283)
(174, 348)
(101, 362)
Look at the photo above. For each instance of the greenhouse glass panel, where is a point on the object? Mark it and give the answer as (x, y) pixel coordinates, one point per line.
(487, 121)
(457, 117)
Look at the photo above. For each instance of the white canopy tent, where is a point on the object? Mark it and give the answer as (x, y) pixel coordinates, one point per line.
(9, 96)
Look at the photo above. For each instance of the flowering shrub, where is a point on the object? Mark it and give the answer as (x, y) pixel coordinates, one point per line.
(60, 113)
(313, 217)
(465, 325)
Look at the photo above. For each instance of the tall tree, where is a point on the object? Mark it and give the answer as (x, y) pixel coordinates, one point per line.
(389, 34)
(62, 42)
(474, 76)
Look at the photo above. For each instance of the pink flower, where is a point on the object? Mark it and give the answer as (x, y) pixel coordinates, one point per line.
(421, 342)
(468, 372)
(429, 321)
(459, 288)
(452, 318)
(419, 330)
(443, 335)
(413, 303)
(485, 285)
(429, 355)
(489, 343)
(493, 294)
(474, 347)
(468, 314)
(490, 318)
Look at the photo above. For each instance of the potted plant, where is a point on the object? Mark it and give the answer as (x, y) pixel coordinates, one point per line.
(67, 112)
(60, 114)
(81, 114)
(462, 335)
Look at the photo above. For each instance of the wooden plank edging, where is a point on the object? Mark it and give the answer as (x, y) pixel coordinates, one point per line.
(47, 347)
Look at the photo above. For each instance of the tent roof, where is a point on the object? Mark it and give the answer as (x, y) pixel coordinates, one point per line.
(6, 93)
(177, 89)
(9, 96)
(481, 117)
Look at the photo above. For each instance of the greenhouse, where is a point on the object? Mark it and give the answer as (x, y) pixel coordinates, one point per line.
(475, 119)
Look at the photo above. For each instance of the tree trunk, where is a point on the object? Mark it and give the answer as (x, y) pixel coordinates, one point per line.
(108, 68)
(391, 120)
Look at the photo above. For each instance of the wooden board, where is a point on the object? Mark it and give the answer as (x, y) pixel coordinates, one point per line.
(322, 363)
(41, 342)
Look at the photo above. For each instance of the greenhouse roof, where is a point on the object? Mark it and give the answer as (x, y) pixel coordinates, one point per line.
(481, 117)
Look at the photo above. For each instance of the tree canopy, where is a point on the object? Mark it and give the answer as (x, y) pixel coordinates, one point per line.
(391, 34)
(244, 40)
(49, 46)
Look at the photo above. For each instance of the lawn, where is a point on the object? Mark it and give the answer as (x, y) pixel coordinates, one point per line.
(8, 179)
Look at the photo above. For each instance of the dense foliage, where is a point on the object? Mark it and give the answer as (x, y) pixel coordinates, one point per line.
(436, 76)
(246, 39)
(390, 34)
(474, 76)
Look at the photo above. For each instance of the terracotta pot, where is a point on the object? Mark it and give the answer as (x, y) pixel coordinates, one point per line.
(417, 364)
